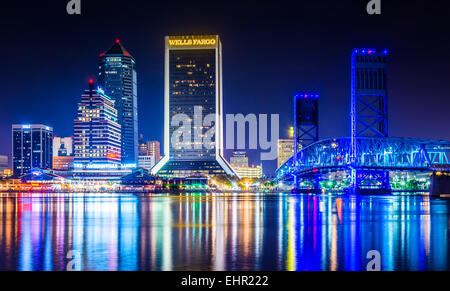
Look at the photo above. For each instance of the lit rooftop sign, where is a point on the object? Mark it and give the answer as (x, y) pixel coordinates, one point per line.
(192, 41)
(100, 166)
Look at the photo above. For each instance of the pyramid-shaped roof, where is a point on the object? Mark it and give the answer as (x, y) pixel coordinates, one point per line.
(116, 49)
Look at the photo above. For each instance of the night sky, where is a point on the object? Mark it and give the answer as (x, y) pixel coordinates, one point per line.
(271, 50)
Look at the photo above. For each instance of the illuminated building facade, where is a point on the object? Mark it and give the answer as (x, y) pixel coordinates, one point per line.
(118, 78)
(143, 149)
(285, 151)
(96, 130)
(6, 173)
(62, 146)
(249, 172)
(150, 148)
(146, 162)
(193, 78)
(63, 163)
(3, 163)
(32, 147)
(239, 159)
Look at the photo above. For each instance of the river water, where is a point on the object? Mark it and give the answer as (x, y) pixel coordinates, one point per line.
(222, 232)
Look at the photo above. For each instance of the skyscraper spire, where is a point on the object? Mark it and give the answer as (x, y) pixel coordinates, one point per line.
(116, 49)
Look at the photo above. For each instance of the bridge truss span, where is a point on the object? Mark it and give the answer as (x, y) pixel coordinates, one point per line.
(375, 155)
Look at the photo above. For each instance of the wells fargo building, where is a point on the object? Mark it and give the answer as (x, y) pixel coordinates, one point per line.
(193, 77)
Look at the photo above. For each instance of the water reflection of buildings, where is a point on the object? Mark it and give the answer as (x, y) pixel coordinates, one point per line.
(222, 232)
(336, 233)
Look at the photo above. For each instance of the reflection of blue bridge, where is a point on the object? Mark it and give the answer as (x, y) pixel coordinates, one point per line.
(374, 157)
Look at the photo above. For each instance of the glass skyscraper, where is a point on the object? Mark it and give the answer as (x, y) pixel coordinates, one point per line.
(32, 147)
(193, 78)
(96, 131)
(117, 77)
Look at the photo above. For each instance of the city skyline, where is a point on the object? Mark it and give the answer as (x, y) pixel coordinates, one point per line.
(302, 65)
(242, 137)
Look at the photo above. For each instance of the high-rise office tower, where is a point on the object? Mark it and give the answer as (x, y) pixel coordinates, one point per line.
(143, 148)
(153, 149)
(306, 120)
(285, 151)
(193, 99)
(149, 154)
(32, 147)
(117, 77)
(96, 130)
(150, 148)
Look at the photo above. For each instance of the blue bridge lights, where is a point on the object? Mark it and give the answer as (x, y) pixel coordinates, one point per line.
(369, 158)
(307, 95)
(369, 51)
(375, 158)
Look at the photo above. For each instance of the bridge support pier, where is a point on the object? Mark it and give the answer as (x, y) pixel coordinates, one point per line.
(295, 182)
(440, 184)
(372, 182)
(313, 179)
(317, 185)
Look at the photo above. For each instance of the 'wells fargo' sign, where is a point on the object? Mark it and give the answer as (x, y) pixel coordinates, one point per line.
(192, 41)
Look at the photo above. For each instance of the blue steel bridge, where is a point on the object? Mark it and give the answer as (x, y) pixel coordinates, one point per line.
(367, 161)
(373, 160)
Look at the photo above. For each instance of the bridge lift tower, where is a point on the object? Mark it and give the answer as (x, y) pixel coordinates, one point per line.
(369, 109)
(306, 122)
